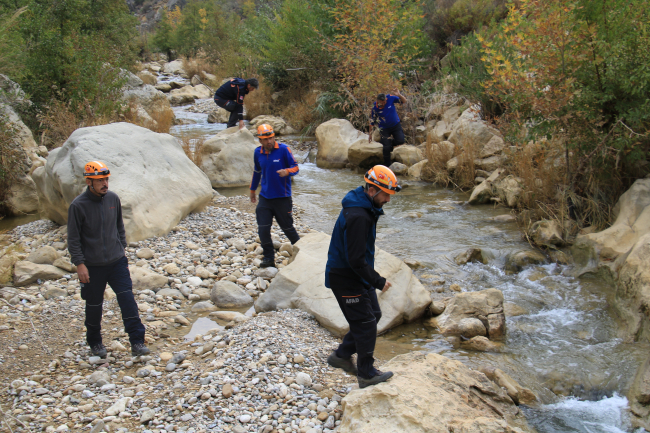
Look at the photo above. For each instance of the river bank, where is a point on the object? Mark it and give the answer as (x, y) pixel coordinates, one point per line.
(236, 372)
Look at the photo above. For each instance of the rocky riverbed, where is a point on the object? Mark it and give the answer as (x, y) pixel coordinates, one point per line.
(263, 372)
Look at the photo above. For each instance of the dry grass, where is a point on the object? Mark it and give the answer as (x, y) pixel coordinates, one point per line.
(301, 114)
(193, 148)
(58, 121)
(259, 101)
(439, 154)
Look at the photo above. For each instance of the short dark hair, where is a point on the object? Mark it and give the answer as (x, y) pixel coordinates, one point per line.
(381, 97)
(253, 82)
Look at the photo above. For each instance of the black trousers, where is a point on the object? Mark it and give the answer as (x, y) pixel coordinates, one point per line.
(118, 277)
(388, 143)
(229, 105)
(281, 209)
(362, 312)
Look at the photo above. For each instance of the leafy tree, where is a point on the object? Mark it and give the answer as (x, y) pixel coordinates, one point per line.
(292, 53)
(374, 44)
(576, 71)
(74, 50)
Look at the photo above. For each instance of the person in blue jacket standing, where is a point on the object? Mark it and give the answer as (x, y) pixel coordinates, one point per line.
(274, 166)
(230, 96)
(384, 114)
(350, 273)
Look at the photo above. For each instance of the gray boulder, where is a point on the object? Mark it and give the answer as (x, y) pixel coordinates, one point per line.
(157, 188)
(226, 294)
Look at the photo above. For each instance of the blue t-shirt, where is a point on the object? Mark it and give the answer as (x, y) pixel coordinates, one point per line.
(267, 165)
(387, 116)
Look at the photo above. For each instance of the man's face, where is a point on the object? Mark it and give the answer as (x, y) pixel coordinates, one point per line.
(268, 143)
(381, 104)
(250, 88)
(381, 198)
(98, 186)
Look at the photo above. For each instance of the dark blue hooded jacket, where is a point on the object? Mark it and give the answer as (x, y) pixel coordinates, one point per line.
(351, 256)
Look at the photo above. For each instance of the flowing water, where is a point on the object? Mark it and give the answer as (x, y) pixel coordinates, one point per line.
(564, 345)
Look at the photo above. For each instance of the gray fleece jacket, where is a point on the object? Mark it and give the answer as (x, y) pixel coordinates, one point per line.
(96, 234)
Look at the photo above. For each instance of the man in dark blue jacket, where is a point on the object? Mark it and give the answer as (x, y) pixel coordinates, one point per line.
(274, 166)
(351, 275)
(384, 114)
(96, 241)
(230, 96)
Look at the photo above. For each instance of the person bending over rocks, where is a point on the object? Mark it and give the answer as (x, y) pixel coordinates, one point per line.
(230, 96)
(96, 241)
(274, 165)
(350, 273)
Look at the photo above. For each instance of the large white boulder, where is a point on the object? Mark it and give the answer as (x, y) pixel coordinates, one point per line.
(219, 115)
(632, 213)
(366, 155)
(486, 306)
(280, 126)
(21, 196)
(407, 154)
(433, 394)
(301, 285)
(175, 67)
(187, 94)
(227, 158)
(335, 138)
(157, 183)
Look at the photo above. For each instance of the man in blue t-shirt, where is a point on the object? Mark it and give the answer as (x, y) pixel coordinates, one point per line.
(274, 166)
(384, 114)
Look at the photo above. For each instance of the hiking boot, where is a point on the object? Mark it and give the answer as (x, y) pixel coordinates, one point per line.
(139, 349)
(378, 378)
(98, 350)
(267, 263)
(345, 364)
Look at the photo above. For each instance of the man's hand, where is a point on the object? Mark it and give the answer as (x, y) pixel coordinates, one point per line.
(82, 272)
(386, 286)
(283, 172)
(370, 136)
(396, 92)
(253, 197)
(241, 124)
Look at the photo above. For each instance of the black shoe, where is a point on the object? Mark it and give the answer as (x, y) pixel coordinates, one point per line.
(98, 350)
(139, 349)
(267, 263)
(378, 378)
(345, 364)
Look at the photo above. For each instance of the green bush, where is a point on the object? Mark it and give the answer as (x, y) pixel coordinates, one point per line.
(75, 49)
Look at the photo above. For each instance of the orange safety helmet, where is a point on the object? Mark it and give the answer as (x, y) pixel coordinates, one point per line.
(383, 178)
(96, 170)
(265, 131)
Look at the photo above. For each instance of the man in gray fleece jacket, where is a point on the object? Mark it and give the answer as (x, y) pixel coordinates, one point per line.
(96, 241)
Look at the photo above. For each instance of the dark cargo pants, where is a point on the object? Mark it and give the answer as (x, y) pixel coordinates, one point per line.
(281, 209)
(232, 107)
(362, 312)
(118, 277)
(388, 143)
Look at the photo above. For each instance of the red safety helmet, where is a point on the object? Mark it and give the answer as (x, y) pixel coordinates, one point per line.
(96, 170)
(383, 178)
(265, 131)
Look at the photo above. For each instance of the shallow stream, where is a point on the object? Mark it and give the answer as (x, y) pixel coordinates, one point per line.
(564, 346)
